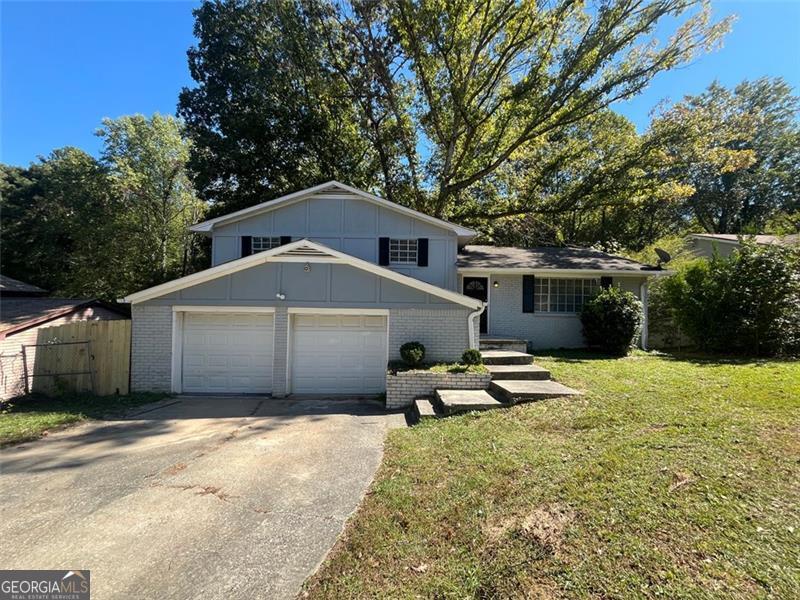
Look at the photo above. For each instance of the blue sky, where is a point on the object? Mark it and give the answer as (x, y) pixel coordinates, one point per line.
(66, 65)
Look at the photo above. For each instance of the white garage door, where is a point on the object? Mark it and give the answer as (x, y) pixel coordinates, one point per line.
(227, 353)
(338, 354)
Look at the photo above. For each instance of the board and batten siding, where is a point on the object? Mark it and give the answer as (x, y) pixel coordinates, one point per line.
(349, 224)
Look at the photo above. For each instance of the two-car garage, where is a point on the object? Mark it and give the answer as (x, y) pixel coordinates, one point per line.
(328, 353)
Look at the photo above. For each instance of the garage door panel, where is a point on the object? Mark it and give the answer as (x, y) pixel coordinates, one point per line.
(227, 353)
(338, 354)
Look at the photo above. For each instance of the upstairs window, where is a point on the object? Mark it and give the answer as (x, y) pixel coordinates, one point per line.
(402, 252)
(562, 295)
(265, 243)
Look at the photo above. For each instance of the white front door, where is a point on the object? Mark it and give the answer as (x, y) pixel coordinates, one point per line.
(338, 354)
(227, 353)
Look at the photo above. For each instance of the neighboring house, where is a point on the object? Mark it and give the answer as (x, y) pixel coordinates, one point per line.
(315, 291)
(23, 312)
(704, 244)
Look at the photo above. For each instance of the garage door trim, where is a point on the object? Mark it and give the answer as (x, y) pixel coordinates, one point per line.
(177, 334)
(310, 310)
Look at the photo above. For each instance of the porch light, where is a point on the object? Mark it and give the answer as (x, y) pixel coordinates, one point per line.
(496, 284)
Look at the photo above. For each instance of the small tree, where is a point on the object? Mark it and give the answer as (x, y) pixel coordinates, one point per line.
(611, 320)
(747, 303)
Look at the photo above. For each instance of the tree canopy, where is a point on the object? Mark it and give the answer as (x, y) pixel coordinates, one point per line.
(79, 226)
(432, 100)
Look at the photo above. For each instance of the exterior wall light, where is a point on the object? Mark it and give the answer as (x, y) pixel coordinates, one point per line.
(307, 268)
(280, 296)
(496, 284)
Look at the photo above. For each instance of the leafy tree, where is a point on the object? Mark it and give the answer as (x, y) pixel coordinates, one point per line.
(267, 116)
(55, 215)
(147, 162)
(740, 151)
(598, 183)
(446, 95)
(747, 303)
(79, 226)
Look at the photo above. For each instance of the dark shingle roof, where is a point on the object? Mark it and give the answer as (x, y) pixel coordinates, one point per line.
(499, 257)
(22, 313)
(14, 286)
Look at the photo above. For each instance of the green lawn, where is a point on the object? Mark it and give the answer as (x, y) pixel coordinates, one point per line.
(671, 477)
(30, 417)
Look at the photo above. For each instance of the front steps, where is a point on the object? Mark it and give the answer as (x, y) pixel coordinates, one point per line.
(455, 401)
(506, 357)
(514, 379)
(512, 391)
(517, 372)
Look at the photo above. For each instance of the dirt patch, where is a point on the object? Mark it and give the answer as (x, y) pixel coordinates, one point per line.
(679, 480)
(544, 527)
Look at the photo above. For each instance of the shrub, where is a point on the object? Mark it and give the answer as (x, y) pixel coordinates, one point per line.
(472, 357)
(611, 320)
(746, 303)
(412, 353)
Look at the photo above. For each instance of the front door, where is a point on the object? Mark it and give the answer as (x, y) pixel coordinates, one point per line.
(478, 287)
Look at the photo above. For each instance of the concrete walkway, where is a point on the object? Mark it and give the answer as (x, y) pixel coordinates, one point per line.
(206, 497)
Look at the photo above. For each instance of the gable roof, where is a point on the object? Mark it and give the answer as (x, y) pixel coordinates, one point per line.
(732, 238)
(300, 251)
(544, 258)
(18, 314)
(15, 287)
(207, 226)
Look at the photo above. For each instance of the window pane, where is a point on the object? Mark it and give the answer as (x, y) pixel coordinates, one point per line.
(403, 251)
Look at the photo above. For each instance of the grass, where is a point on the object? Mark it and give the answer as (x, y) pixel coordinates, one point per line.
(30, 417)
(671, 477)
(400, 366)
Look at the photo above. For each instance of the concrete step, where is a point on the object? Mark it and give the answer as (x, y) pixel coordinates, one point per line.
(506, 357)
(513, 391)
(455, 401)
(518, 372)
(501, 343)
(422, 409)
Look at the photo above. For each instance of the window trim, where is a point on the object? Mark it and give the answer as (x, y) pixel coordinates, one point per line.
(412, 255)
(552, 295)
(256, 240)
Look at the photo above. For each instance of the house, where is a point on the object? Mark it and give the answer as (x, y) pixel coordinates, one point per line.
(704, 244)
(315, 291)
(24, 311)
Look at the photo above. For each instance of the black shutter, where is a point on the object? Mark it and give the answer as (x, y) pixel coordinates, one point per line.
(605, 282)
(286, 239)
(422, 252)
(527, 293)
(383, 251)
(247, 245)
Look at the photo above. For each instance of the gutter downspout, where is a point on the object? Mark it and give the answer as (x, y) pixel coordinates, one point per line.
(471, 326)
(644, 296)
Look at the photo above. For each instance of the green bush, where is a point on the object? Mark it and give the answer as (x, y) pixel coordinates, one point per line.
(412, 353)
(472, 357)
(611, 320)
(747, 303)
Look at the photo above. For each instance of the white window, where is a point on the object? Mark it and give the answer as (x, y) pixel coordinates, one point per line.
(403, 252)
(562, 295)
(265, 243)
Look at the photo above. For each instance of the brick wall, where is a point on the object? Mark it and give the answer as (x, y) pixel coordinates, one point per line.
(443, 332)
(406, 386)
(279, 383)
(151, 348)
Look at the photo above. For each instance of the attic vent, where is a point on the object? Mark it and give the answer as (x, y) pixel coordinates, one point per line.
(304, 251)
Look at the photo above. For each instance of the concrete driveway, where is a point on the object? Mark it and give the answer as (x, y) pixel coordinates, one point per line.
(210, 497)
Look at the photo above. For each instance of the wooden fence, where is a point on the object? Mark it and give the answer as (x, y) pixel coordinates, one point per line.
(92, 356)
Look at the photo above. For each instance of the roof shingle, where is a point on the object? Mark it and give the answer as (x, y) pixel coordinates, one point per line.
(500, 257)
